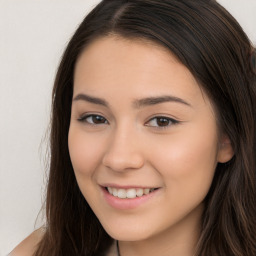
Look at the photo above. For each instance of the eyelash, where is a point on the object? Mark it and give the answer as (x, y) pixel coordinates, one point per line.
(85, 117)
(170, 121)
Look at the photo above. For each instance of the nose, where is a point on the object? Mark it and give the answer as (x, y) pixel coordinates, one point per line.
(124, 152)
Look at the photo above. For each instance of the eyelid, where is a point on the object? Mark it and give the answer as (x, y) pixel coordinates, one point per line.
(171, 120)
(84, 116)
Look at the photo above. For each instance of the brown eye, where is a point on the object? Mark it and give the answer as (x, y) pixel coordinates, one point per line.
(98, 120)
(94, 119)
(161, 122)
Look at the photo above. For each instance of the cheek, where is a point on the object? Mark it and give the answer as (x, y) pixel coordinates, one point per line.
(85, 152)
(189, 161)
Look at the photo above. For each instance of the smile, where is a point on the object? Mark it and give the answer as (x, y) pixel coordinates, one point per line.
(129, 193)
(128, 198)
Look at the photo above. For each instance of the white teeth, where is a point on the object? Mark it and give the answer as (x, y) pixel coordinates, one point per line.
(110, 190)
(146, 191)
(139, 192)
(114, 192)
(121, 193)
(129, 193)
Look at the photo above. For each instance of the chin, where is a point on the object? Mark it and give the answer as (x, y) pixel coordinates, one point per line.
(131, 233)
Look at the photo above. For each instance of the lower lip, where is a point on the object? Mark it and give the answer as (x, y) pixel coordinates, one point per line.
(128, 203)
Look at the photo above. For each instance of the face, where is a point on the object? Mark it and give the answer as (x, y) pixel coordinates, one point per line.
(143, 139)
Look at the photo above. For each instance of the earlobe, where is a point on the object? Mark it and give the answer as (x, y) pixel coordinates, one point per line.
(225, 152)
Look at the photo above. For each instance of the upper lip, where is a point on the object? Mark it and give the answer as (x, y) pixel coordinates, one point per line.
(111, 185)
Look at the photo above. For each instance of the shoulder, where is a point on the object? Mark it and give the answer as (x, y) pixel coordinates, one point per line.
(28, 246)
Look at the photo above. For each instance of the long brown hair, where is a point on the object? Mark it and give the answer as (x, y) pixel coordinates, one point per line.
(213, 46)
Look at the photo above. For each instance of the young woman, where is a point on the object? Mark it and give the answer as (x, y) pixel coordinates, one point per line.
(153, 135)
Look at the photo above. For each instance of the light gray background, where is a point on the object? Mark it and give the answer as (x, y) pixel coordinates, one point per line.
(33, 35)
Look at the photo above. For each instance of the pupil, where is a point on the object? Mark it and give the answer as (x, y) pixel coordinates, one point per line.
(162, 122)
(98, 119)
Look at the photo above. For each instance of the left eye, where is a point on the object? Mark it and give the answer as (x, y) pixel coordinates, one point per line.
(161, 121)
(94, 119)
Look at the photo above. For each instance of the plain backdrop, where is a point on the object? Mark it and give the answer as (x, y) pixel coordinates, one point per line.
(33, 35)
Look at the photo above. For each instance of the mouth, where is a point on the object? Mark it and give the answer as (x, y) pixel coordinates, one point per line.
(130, 192)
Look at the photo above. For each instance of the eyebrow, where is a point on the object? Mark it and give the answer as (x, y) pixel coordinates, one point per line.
(149, 101)
(94, 100)
(157, 100)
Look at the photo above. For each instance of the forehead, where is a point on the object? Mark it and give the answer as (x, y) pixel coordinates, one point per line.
(127, 65)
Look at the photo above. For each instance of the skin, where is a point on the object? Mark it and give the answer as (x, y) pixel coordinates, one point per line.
(128, 146)
(131, 147)
(28, 246)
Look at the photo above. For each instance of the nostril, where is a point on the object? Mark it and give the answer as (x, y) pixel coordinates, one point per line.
(123, 160)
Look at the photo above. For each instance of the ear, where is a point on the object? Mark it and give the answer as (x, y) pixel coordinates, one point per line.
(225, 151)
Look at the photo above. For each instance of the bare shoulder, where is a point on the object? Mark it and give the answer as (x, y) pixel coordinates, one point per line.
(28, 246)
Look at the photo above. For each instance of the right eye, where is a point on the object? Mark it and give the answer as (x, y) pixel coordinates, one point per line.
(93, 119)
